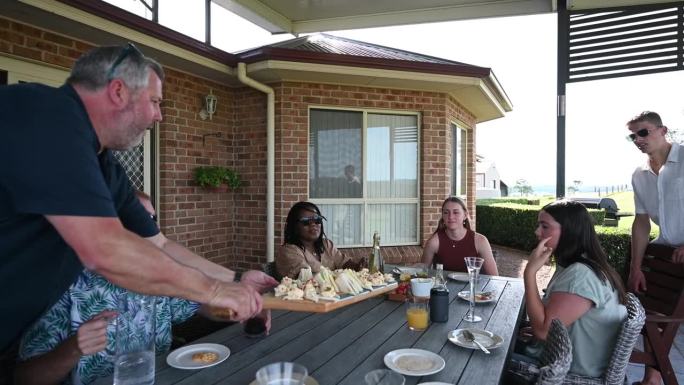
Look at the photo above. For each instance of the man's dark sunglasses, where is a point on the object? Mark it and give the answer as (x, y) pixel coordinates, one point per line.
(306, 221)
(130, 49)
(641, 133)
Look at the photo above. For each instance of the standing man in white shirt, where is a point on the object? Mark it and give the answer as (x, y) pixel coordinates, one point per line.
(658, 196)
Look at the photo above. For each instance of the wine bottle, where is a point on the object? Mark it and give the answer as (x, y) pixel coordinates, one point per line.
(375, 263)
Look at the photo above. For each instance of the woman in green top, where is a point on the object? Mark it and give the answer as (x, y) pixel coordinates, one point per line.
(585, 293)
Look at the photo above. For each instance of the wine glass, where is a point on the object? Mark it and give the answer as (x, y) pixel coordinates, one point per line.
(282, 373)
(384, 377)
(474, 264)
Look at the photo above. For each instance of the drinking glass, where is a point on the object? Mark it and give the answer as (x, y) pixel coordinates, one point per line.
(417, 313)
(282, 373)
(422, 270)
(473, 264)
(135, 333)
(384, 377)
(255, 327)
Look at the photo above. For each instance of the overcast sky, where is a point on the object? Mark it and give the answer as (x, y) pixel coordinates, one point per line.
(522, 53)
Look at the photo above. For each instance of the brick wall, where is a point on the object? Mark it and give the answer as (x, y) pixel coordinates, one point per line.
(466, 120)
(201, 219)
(250, 161)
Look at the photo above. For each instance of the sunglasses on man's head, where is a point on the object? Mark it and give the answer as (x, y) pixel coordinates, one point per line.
(317, 219)
(130, 49)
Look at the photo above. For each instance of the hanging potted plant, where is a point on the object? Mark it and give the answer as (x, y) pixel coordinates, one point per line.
(214, 177)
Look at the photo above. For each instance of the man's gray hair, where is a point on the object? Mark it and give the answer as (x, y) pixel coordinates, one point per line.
(97, 67)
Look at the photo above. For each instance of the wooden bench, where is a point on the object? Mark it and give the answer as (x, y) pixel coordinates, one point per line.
(664, 304)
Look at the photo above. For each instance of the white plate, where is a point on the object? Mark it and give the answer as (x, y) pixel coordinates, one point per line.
(462, 277)
(414, 362)
(465, 295)
(181, 358)
(488, 339)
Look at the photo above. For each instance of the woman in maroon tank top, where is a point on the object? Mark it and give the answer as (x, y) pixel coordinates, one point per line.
(454, 240)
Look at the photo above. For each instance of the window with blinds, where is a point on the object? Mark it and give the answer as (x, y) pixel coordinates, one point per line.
(363, 174)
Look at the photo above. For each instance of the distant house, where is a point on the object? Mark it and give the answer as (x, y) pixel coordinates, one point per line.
(487, 180)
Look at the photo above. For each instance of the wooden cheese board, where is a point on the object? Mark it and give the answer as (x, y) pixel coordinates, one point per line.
(273, 302)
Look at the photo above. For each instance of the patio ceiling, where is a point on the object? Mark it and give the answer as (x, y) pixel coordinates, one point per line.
(305, 16)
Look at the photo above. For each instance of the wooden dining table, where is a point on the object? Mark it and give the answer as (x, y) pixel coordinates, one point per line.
(341, 346)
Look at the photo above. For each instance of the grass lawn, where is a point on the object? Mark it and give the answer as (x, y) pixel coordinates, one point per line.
(625, 202)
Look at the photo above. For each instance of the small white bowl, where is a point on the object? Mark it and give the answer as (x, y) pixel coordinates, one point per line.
(420, 287)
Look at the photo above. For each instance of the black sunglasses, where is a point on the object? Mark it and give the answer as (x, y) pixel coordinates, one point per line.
(641, 134)
(130, 49)
(306, 221)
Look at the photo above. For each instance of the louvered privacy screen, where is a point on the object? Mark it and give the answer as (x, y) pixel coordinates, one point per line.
(623, 42)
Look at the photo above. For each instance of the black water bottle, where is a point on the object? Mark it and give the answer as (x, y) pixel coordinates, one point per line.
(439, 297)
(439, 304)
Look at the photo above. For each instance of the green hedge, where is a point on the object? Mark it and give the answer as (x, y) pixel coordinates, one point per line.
(513, 225)
(522, 201)
(616, 244)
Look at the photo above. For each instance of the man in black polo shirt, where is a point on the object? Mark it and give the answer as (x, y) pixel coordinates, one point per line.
(65, 202)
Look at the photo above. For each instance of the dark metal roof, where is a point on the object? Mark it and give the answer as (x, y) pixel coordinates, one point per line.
(328, 49)
(332, 44)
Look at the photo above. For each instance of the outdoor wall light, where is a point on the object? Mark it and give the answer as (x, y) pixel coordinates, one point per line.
(209, 106)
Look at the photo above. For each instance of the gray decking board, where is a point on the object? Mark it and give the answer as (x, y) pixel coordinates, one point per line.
(319, 336)
(171, 375)
(342, 346)
(259, 349)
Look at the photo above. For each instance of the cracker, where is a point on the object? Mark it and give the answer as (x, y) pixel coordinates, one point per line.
(205, 357)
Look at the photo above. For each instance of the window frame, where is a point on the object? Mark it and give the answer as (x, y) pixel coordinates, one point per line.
(462, 171)
(367, 234)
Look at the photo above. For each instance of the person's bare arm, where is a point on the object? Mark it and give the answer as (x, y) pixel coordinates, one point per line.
(564, 306)
(484, 250)
(678, 255)
(182, 255)
(430, 249)
(54, 366)
(641, 229)
(125, 259)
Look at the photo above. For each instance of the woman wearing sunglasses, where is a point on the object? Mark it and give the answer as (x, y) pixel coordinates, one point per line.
(306, 245)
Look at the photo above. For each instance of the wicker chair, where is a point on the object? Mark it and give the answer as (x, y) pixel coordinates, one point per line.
(270, 269)
(616, 373)
(664, 304)
(555, 353)
(555, 360)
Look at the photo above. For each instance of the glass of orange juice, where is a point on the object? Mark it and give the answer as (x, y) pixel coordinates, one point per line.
(417, 313)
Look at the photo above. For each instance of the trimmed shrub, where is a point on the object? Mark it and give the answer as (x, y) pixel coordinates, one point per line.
(616, 244)
(522, 201)
(510, 225)
(513, 225)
